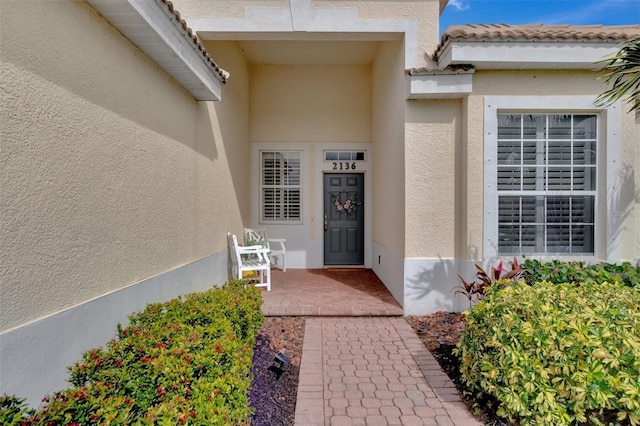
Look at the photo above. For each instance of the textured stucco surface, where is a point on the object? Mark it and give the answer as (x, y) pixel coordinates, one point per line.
(425, 14)
(35, 356)
(431, 136)
(545, 83)
(389, 152)
(320, 103)
(630, 186)
(388, 165)
(473, 149)
(110, 171)
(222, 9)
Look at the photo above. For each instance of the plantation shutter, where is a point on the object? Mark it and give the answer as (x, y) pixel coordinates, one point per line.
(546, 183)
(281, 186)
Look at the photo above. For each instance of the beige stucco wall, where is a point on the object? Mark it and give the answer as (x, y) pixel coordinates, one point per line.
(388, 148)
(228, 121)
(472, 187)
(630, 200)
(222, 9)
(425, 13)
(110, 171)
(541, 83)
(302, 103)
(432, 141)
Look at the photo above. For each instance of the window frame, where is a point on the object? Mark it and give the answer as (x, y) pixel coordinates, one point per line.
(606, 235)
(544, 165)
(261, 187)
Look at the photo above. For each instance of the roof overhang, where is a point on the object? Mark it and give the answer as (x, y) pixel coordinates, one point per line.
(440, 84)
(443, 5)
(526, 54)
(157, 30)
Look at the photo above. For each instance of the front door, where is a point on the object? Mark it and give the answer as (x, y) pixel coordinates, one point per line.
(343, 219)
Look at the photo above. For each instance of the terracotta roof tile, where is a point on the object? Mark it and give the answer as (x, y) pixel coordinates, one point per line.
(194, 39)
(450, 69)
(504, 32)
(541, 32)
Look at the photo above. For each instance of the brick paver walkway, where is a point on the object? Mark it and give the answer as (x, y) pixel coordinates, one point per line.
(362, 363)
(372, 371)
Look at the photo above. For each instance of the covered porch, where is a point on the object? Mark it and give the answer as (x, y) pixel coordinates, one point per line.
(328, 292)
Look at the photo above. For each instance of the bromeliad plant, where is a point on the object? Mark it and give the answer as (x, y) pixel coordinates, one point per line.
(477, 289)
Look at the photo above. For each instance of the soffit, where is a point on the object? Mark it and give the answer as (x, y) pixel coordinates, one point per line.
(309, 52)
(157, 29)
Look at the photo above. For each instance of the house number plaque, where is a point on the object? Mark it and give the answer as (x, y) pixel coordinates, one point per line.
(343, 165)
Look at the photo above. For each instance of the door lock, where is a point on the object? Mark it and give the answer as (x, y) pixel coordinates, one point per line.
(326, 223)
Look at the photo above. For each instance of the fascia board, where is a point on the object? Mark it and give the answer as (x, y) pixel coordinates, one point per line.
(160, 38)
(526, 54)
(437, 85)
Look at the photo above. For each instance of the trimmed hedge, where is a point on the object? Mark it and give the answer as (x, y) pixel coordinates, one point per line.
(556, 354)
(558, 271)
(181, 362)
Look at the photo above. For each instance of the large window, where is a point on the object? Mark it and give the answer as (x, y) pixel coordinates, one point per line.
(280, 186)
(546, 183)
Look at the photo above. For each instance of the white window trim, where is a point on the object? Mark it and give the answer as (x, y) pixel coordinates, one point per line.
(256, 211)
(607, 227)
(282, 187)
(320, 168)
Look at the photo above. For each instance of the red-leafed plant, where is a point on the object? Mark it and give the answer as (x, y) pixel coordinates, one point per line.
(476, 290)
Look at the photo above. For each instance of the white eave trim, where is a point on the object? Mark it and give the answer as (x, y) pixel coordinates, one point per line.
(526, 54)
(272, 23)
(152, 28)
(439, 84)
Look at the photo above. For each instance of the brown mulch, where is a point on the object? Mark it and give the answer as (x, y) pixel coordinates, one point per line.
(273, 397)
(440, 333)
(441, 328)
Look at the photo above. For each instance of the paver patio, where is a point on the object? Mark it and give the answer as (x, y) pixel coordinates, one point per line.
(328, 292)
(362, 363)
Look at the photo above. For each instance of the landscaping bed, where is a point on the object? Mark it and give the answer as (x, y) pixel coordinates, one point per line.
(273, 398)
(547, 343)
(186, 361)
(440, 333)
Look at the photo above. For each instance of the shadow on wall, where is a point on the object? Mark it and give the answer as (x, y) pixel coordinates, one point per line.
(621, 205)
(430, 285)
(83, 54)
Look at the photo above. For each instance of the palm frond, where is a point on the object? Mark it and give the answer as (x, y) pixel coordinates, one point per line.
(622, 73)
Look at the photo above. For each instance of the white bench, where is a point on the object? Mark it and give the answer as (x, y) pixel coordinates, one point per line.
(277, 250)
(249, 258)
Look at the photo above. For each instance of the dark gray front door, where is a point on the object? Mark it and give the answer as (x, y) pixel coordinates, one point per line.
(343, 219)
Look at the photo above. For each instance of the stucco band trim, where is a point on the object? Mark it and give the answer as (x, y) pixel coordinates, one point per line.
(308, 22)
(34, 356)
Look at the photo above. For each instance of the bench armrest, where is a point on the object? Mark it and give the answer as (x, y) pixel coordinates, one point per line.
(252, 249)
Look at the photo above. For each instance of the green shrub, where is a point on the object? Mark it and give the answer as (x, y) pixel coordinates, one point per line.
(13, 410)
(558, 271)
(184, 361)
(556, 354)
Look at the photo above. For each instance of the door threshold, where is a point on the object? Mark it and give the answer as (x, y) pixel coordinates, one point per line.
(334, 267)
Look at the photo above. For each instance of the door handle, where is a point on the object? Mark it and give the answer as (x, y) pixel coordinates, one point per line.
(326, 223)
